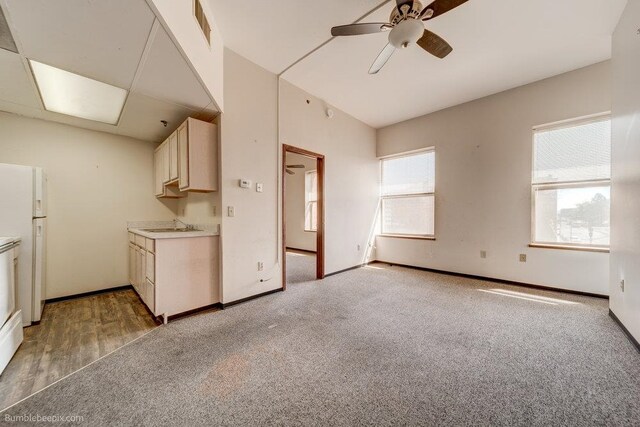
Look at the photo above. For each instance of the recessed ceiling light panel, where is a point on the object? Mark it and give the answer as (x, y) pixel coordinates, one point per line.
(68, 93)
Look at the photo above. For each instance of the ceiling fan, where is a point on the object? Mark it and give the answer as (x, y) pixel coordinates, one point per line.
(289, 167)
(406, 28)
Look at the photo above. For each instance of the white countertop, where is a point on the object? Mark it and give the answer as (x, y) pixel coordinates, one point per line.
(173, 235)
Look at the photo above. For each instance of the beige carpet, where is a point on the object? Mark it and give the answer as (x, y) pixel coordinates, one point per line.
(373, 346)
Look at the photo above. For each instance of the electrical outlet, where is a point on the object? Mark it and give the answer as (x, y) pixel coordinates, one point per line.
(523, 257)
(260, 266)
(622, 285)
(483, 254)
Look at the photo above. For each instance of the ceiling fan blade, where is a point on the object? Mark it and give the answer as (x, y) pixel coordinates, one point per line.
(382, 59)
(359, 29)
(439, 7)
(290, 172)
(401, 3)
(434, 44)
(295, 166)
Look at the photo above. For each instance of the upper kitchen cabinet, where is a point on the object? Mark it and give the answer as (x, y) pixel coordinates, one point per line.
(198, 156)
(173, 156)
(187, 160)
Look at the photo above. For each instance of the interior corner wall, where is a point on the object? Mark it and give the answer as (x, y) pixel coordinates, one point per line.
(206, 59)
(295, 205)
(96, 183)
(249, 150)
(351, 172)
(625, 171)
(483, 183)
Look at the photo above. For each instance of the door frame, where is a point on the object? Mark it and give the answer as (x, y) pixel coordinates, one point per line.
(320, 232)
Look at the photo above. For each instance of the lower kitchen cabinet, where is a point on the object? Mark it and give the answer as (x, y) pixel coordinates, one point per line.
(175, 275)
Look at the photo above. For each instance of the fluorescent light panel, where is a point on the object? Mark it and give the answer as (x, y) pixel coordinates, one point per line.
(74, 95)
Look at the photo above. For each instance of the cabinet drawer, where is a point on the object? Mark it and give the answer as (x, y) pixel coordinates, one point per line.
(140, 241)
(150, 245)
(151, 267)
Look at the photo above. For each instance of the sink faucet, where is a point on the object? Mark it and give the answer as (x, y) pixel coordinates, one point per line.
(187, 226)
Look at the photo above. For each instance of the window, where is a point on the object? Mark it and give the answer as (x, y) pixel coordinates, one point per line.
(311, 201)
(202, 21)
(408, 195)
(571, 184)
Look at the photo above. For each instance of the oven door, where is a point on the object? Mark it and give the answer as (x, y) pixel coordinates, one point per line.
(7, 283)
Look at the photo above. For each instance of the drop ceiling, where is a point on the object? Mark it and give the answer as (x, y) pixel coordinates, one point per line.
(119, 42)
(498, 45)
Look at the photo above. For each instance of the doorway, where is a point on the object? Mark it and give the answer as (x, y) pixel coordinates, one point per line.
(302, 215)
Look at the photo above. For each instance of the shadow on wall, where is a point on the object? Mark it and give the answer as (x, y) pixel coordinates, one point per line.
(370, 252)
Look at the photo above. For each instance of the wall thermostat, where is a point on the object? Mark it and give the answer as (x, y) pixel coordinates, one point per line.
(245, 183)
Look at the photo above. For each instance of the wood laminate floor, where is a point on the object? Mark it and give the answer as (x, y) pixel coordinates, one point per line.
(71, 335)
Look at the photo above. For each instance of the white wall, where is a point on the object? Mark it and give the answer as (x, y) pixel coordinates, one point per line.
(206, 60)
(351, 172)
(297, 237)
(483, 183)
(625, 195)
(97, 182)
(249, 149)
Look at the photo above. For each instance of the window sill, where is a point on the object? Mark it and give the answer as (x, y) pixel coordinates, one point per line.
(407, 236)
(570, 248)
(310, 231)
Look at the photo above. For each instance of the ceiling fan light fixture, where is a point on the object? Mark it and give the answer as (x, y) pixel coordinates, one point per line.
(406, 33)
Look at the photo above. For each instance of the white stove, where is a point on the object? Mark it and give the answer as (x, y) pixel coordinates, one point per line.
(10, 316)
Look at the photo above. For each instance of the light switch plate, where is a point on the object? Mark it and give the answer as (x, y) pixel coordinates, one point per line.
(523, 257)
(259, 187)
(231, 211)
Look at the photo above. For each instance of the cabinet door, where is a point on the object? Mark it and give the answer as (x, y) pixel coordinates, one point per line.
(183, 154)
(142, 273)
(157, 167)
(136, 270)
(132, 263)
(151, 267)
(150, 296)
(173, 156)
(165, 163)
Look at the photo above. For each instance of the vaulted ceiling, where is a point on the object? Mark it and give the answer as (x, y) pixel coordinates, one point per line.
(119, 42)
(498, 45)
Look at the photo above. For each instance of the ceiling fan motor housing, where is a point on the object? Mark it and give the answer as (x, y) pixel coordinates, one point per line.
(406, 33)
(414, 12)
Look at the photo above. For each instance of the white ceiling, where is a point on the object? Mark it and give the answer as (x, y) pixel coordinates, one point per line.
(119, 42)
(498, 45)
(274, 34)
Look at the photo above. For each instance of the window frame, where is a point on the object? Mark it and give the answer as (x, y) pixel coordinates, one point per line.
(408, 195)
(206, 35)
(561, 185)
(308, 203)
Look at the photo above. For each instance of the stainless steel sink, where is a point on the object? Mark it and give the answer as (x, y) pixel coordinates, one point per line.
(169, 230)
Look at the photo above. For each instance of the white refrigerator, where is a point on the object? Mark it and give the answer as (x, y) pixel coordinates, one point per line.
(23, 213)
